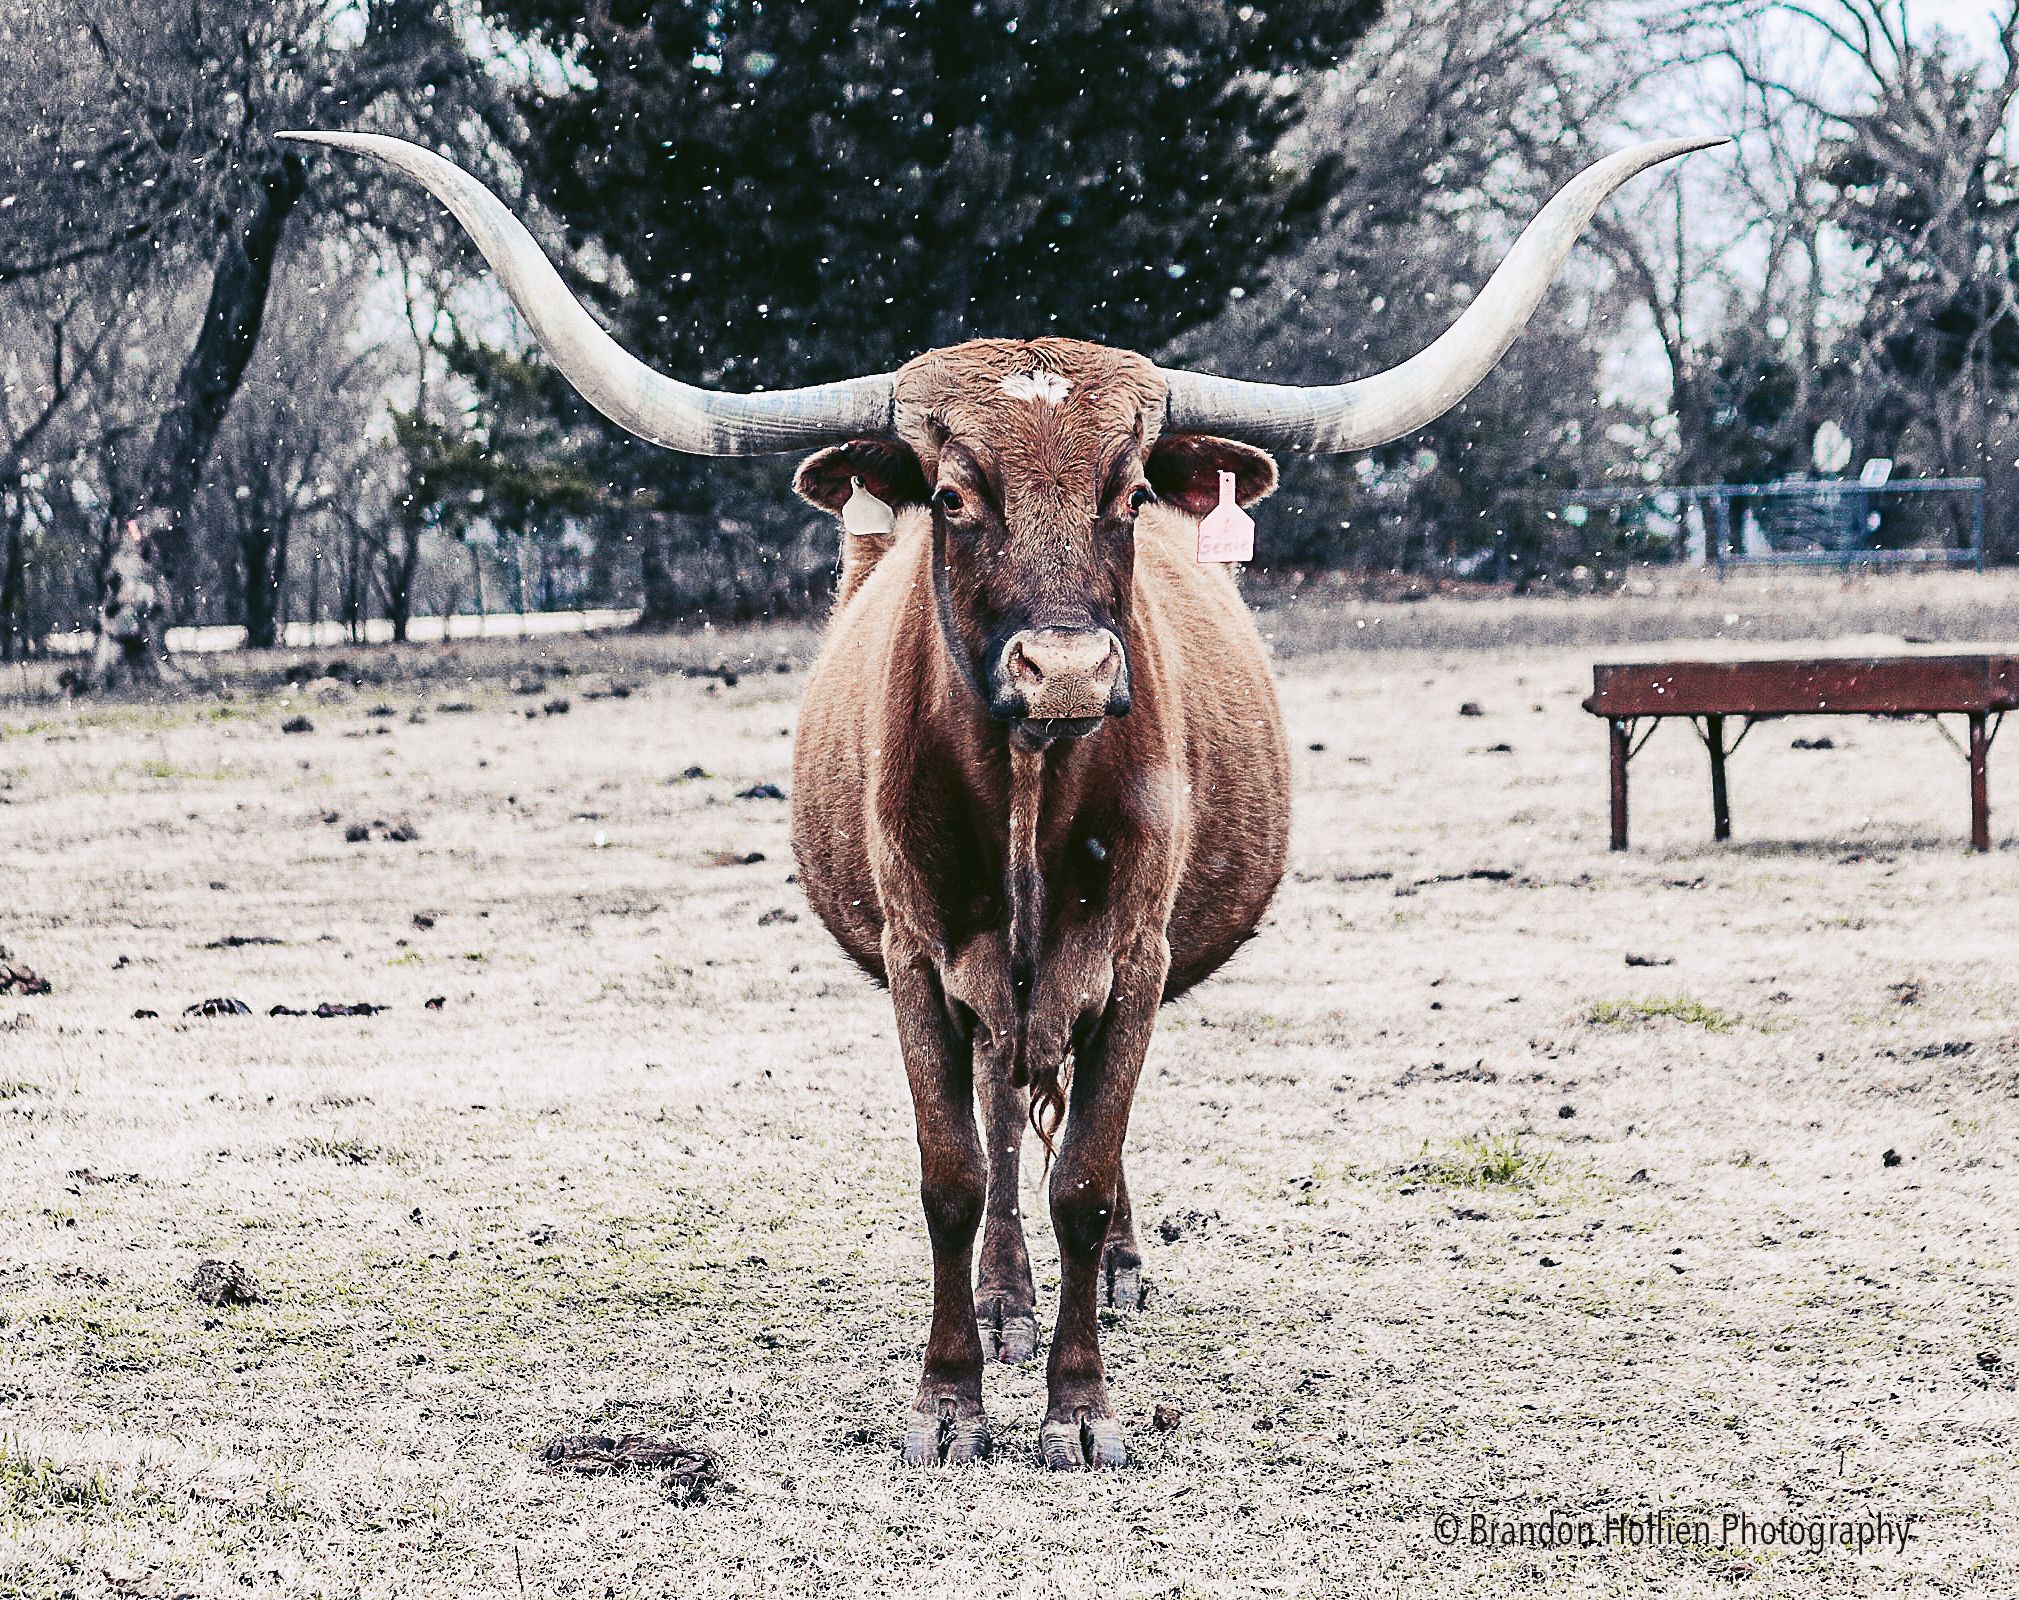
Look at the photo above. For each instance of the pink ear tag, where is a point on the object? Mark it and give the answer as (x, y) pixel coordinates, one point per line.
(1227, 533)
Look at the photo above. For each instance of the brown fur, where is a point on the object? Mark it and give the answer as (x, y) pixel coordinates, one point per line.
(1032, 903)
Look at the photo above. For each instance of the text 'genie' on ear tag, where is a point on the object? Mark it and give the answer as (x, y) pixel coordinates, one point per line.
(865, 516)
(1227, 533)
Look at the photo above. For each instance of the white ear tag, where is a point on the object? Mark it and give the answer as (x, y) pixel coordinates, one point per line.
(1227, 533)
(865, 516)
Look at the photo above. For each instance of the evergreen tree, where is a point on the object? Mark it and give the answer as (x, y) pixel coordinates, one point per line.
(786, 193)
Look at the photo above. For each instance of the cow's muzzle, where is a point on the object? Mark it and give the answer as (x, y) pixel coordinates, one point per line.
(1060, 682)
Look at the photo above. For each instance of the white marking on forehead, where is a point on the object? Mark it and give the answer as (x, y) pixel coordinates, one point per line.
(1046, 386)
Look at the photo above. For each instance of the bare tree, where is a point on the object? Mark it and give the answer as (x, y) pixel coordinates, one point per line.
(1908, 175)
(135, 132)
(301, 425)
(32, 403)
(58, 417)
(397, 541)
(1454, 121)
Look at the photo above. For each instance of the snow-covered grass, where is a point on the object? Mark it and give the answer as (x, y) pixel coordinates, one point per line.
(1452, 1211)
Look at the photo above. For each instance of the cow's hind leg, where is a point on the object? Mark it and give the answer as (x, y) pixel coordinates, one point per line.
(1005, 1298)
(1123, 1286)
(1080, 1427)
(946, 1422)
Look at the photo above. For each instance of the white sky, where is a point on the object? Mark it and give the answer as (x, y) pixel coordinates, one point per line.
(1973, 19)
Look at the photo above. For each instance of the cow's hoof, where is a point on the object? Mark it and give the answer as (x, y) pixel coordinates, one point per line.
(1123, 1286)
(1007, 1336)
(1084, 1442)
(942, 1436)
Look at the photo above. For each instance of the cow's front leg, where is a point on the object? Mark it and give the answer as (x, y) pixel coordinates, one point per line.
(946, 1421)
(1080, 1427)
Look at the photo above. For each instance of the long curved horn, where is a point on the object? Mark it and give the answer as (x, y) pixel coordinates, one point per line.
(623, 388)
(1357, 416)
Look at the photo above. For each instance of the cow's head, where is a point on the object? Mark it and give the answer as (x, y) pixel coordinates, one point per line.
(1035, 462)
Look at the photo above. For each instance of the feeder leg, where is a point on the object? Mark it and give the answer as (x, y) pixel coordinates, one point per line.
(1622, 732)
(1721, 806)
(1980, 785)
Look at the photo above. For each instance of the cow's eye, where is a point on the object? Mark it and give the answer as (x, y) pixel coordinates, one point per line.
(1141, 496)
(948, 501)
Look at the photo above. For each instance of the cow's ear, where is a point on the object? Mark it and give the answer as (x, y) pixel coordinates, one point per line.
(887, 469)
(1185, 468)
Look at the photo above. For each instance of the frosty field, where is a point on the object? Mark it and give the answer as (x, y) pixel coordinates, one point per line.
(1502, 1176)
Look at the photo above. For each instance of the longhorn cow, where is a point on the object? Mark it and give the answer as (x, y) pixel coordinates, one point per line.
(1040, 784)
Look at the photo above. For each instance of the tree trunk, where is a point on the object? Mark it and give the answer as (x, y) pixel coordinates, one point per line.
(402, 562)
(353, 606)
(264, 554)
(173, 467)
(351, 575)
(132, 620)
(1696, 460)
(13, 583)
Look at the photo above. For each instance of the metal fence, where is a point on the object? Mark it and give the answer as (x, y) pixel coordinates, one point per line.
(1817, 522)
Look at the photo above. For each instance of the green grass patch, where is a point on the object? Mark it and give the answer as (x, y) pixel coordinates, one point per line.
(14, 1088)
(173, 772)
(1674, 1007)
(33, 1486)
(1483, 1161)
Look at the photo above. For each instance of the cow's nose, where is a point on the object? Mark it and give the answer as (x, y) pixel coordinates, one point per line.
(1064, 672)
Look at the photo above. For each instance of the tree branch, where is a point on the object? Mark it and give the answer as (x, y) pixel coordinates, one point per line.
(22, 271)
